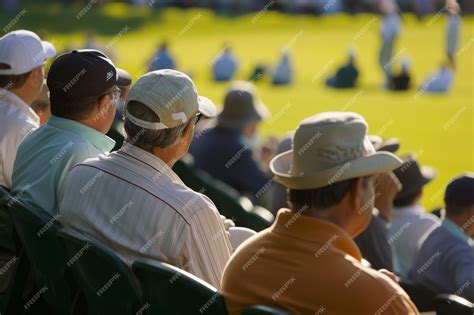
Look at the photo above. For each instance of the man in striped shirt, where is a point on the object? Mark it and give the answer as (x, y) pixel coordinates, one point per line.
(133, 202)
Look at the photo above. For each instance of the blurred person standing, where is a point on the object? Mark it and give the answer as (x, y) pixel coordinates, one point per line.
(452, 28)
(390, 29)
(307, 261)
(409, 219)
(22, 58)
(450, 247)
(162, 59)
(227, 150)
(225, 66)
(83, 93)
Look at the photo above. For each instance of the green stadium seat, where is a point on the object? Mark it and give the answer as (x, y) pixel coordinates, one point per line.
(422, 297)
(449, 304)
(264, 310)
(103, 278)
(172, 291)
(37, 232)
(227, 200)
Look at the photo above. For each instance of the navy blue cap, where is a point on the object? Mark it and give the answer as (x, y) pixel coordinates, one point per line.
(83, 73)
(460, 191)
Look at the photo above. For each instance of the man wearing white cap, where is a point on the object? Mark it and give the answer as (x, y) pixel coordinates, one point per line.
(137, 205)
(307, 261)
(22, 57)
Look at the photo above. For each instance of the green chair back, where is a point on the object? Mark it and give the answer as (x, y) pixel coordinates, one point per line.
(449, 304)
(227, 200)
(6, 222)
(103, 278)
(11, 301)
(37, 232)
(421, 296)
(264, 310)
(172, 291)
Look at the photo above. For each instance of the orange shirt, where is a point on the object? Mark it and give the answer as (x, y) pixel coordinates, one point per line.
(308, 266)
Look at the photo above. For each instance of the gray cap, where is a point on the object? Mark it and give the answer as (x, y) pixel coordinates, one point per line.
(171, 95)
(241, 106)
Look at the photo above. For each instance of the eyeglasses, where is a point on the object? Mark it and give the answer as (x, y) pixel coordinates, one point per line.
(197, 118)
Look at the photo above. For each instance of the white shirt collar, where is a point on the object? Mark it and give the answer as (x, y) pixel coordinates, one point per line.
(12, 99)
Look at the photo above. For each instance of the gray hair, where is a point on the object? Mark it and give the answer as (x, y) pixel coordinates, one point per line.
(148, 139)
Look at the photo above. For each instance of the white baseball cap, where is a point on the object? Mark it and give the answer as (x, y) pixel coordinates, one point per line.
(22, 51)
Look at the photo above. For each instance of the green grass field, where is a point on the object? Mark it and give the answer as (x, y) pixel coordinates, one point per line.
(439, 129)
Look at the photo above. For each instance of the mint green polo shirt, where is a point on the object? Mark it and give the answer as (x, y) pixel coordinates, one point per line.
(45, 157)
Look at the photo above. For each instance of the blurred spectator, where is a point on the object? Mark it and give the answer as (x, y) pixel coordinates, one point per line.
(390, 30)
(450, 248)
(277, 197)
(373, 242)
(452, 28)
(283, 73)
(234, 141)
(162, 59)
(225, 66)
(307, 261)
(346, 76)
(401, 81)
(259, 71)
(41, 105)
(441, 81)
(83, 93)
(91, 42)
(409, 220)
(22, 57)
(117, 131)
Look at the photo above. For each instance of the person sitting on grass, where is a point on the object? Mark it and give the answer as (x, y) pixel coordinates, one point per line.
(441, 81)
(346, 76)
(283, 74)
(225, 66)
(307, 261)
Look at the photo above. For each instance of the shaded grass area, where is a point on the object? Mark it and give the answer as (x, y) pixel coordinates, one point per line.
(438, 128)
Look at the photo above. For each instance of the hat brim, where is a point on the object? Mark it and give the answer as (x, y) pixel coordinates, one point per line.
(428, 174)
(260, 113)
(390, 145)
(375, 163)
(48, 49)
(207, 107)
(123, 78)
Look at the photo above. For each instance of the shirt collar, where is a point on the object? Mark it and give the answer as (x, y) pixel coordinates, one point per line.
(98, 139)
(454, 229)
(414, 209)
(133, 152)
(298, 226)
(14, 100)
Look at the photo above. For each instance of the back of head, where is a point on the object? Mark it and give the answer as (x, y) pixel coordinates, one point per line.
(459, 194)
(77, 81)
(159, 106)
(413, 177)
(241, 107)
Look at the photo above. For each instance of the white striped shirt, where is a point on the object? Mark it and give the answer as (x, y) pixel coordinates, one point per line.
(134, 203)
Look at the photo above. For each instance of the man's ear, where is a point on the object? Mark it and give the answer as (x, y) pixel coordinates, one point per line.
(355, 193)
(188, 131)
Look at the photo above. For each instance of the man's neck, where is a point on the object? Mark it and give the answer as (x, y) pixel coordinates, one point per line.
(25, 97)
(461, 222)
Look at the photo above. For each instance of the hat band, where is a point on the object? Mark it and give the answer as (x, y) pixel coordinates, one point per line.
(145, 124)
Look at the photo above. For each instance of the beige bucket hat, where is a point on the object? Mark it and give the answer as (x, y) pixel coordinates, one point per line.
(328, 148)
